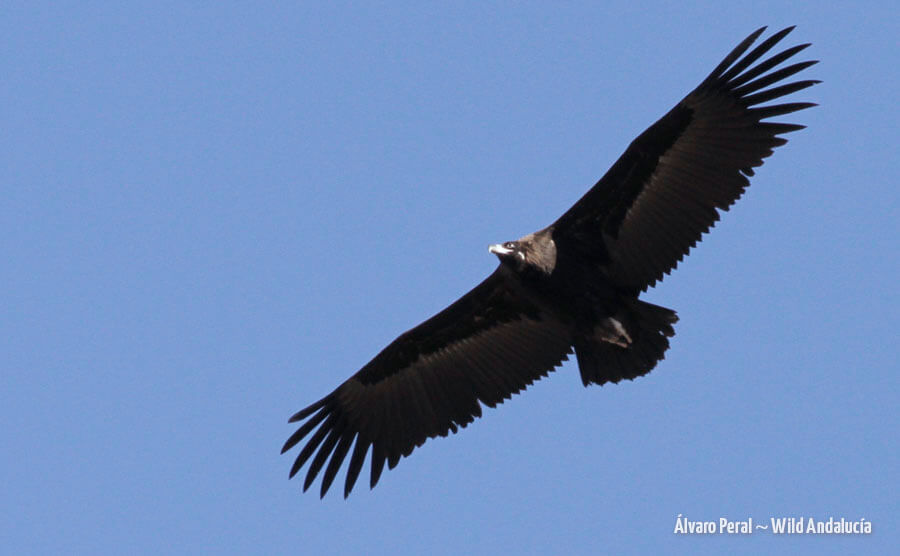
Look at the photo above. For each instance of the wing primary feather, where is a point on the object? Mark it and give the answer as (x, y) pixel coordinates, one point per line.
(337, 458)
(734, 55)
(306, 412)
(773, 77)
(356, 463)
(771, 94)
(766, 65)
(764, 112)
(304, 430)
(313, 443)
(754, 54)
(779, 129)
(323, 453)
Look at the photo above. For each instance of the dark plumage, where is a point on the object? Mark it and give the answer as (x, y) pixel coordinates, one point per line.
(572, 285)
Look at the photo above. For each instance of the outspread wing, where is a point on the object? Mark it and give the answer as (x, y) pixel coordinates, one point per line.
(485, 347)
(663, 193)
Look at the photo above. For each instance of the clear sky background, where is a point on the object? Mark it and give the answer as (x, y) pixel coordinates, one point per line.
(214, 214)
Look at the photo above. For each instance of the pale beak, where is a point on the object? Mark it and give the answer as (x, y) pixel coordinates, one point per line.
(498, 249)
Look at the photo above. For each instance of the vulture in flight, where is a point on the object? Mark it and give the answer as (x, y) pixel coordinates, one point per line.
(572, 286)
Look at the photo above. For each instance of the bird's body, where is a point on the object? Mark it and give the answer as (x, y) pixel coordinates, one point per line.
(572, 286)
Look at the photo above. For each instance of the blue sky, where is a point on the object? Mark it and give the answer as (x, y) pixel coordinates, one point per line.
(214, 214)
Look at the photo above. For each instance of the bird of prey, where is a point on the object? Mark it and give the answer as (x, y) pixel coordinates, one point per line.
(572, 286)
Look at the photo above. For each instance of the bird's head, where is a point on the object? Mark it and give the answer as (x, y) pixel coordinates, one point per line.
(509, 252)
(536, 251)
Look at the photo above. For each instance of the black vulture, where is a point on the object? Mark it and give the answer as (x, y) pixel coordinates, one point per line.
(572, 286)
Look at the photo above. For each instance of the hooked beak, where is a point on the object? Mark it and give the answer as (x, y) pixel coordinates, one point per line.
(499, 250)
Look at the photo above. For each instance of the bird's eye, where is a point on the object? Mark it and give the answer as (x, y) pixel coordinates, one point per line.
(509, 245)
